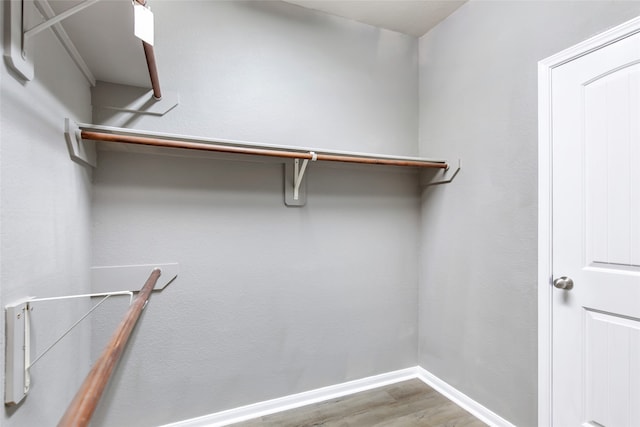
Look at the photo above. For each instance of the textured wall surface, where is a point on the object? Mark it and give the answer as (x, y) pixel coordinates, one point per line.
(478, 102)
(270, 300)
(44, 224)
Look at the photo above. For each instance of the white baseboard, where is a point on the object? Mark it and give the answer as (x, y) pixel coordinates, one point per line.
(465, 402)
(243, 413)
(267, 407)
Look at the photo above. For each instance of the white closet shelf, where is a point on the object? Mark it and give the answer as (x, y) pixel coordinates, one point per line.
(161, 139)
(80, 138)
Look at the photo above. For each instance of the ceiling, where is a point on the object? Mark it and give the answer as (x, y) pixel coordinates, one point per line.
(413, 17)
(105, 48)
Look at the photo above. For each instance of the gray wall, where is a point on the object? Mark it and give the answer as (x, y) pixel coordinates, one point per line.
(478, 264)
(44, 224)
(273, 300)
(270, 300)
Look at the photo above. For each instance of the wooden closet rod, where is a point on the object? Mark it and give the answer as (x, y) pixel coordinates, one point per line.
(151, 64)
(83, 405)
(153, 70)
(289, 154)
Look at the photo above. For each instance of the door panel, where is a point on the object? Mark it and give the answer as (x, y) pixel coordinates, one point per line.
(612, 168)
(611, 371)
(596, 237)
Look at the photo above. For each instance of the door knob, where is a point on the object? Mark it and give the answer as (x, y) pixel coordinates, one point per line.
(563, 282)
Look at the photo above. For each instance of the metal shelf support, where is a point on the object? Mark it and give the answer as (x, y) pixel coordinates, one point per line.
(57, 18)
(108, 279)
(19, 40)
(298, 173)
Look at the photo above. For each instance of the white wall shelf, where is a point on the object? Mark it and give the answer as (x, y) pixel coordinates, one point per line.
(82, 137)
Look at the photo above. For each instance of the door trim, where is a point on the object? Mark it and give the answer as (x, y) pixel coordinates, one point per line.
(545, 185)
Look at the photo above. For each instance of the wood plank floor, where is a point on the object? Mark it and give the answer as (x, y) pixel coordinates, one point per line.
(409, 403)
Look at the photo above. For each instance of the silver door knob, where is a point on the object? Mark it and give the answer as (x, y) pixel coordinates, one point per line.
(563, 282)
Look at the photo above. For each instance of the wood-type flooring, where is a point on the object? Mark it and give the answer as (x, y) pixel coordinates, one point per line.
(404, 404)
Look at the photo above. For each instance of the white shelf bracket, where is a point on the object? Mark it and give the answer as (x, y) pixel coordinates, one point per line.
(295, 190)
(81, 151)
(428, 180)
(15, 385)
(18, 340)
(19, 40)
(57, 18)
(16, 53)
(298, 174)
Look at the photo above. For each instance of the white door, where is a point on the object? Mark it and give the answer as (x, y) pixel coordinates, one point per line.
(596, 238)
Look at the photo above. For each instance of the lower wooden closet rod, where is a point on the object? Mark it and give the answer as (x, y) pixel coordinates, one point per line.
(83, 405)
(170, 143)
